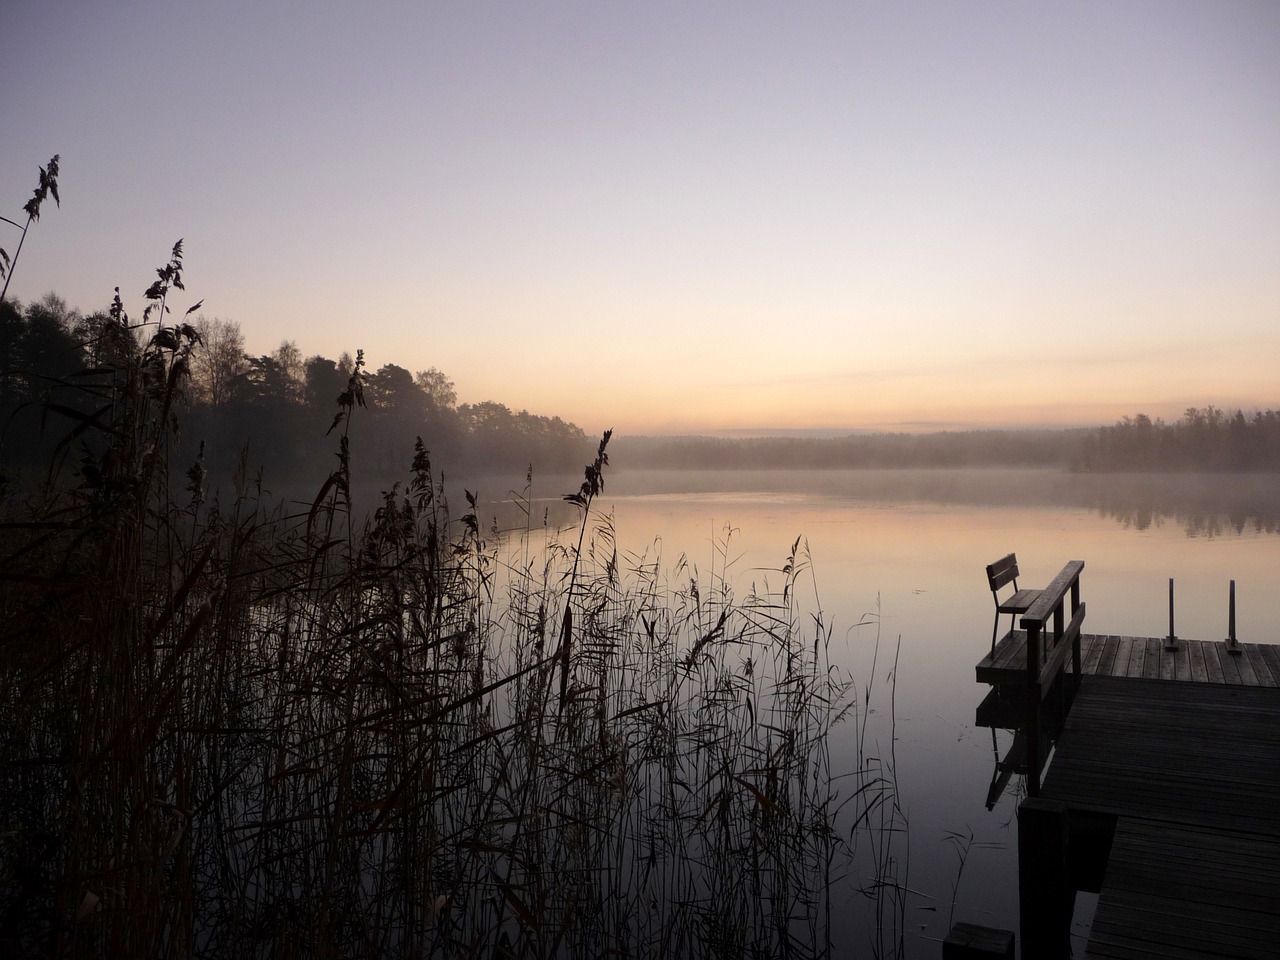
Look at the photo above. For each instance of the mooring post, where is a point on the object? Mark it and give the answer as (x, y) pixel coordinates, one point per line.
(1031, 715)
(1233, 645)
(1171, 641)
(969, 941)
(1045, 890)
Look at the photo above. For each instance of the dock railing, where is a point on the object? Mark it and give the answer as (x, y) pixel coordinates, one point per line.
(1049, 638)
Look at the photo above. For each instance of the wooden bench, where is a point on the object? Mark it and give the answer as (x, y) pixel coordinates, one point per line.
(999, 575)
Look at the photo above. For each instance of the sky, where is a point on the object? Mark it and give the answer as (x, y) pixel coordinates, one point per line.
(690, 217)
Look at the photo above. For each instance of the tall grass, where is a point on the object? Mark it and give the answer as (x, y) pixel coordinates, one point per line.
(234, 730)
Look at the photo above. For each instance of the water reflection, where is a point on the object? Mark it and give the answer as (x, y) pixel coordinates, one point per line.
(910, 547)
(1003, 710)
(1202, 505)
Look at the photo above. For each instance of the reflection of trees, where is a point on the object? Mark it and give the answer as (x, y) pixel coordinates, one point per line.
(1203, 505)
(1197, 522)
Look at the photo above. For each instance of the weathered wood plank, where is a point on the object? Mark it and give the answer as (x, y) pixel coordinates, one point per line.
(1230, 670)
(1108, 662)
(1271, 655)
(1142, 747)
(1258, 664)
(1151, 663)
(1192, 773)
(1182, 662)
(1196, 654)
(1166, 670)
(1247, 675)
(1213, 666)
(1091, 649)
(1188, 891)
(1137, 653)
(1012, 648)
(1200, 661)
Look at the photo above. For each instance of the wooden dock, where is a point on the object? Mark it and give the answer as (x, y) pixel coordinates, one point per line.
(1162, 793)
(1185, 777)
(1144, 658)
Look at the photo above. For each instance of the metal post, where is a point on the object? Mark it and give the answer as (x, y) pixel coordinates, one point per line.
(1045, 890)
(1171, 641)
(1232, 645)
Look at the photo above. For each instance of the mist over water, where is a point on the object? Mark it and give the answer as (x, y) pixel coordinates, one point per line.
(1202, 504)
(897, 560)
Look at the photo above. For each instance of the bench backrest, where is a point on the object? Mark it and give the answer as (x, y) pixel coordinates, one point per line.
(1004, 570)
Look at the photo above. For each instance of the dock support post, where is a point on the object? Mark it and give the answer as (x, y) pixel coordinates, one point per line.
(1031, 716)
(1232, 645)
(969, 941)
(1045, 892)
(1171, 641)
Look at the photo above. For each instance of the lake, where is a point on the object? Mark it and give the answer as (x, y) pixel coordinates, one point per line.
(903, 554)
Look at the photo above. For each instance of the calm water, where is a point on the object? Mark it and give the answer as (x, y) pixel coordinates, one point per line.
(908, 549)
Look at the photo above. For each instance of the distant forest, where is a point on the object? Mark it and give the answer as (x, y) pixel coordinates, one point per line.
(1206, 439)
(276, 408)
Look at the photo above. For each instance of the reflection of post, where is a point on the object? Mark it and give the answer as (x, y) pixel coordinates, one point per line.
(1045, 891)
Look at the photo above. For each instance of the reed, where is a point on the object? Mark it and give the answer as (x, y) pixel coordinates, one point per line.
(231, 729)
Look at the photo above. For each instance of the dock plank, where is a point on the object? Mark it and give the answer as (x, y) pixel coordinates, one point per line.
(1230, 671)
(1091, 650)
(1151, 662)
(1196, 656)
(1187, 891)
(1168, 660)
(1199, 661)
(1259, 665)
(1213, 665)
(1137, 657)
(1168, 749)
(1191, 771)
(1247, 675)
(1013, 647)
(1182, 662)
(1270, 655)
(1107, 664)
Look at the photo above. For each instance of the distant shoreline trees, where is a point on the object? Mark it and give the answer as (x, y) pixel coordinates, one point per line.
(1208, 440)
(277, 405)
(977, 448)
(280, 404)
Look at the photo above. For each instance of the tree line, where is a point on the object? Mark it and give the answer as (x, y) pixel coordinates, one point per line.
(978, 448)
(273, 410)
(1207, 439)
(276, 407)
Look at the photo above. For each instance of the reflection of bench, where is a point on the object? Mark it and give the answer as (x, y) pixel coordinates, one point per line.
(999, 575)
